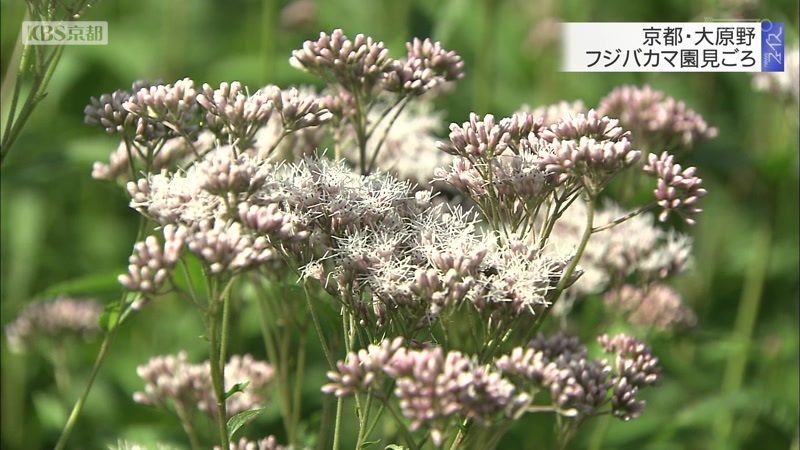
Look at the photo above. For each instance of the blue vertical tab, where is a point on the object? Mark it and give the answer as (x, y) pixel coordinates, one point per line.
(772, 43)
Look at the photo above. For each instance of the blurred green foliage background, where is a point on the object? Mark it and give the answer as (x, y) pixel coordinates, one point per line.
(732, 383)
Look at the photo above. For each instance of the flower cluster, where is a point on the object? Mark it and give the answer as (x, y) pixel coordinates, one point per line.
(299, 110)
(784, 84)
(172, 382)
(678, 189)
(437, 388)
(653, 306)
(368, 90)
(483, 138)
(588, 148)
(632, 249)
(111, 112)
(620, 252)
(229, 177)
(426, 67)
(635, 367)
(268, 443)
(151, 263)
(656, 121)
(231, 111)
(580, 386)
(56, 319)
(168, 125)
(362, 64)
(358, 64)
(432, 387)
(416, 258)
(569, 150)
(734, 10)
(222, 209)
(518, 162)
(170, 152)
(127, 445)
(163, 107)
(367, 233)
(551, 114)
(282, 140)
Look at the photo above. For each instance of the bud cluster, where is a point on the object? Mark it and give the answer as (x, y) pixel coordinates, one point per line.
(172, 382)
(437, 389)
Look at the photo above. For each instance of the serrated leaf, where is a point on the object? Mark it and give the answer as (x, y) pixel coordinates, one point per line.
(238, 387)
(239, 420)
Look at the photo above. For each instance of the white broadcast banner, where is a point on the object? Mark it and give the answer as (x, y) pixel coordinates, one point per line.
(673, 47)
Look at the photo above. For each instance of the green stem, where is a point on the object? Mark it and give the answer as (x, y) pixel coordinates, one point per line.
(461, 436)
(573, 264)
(626, 217)
(186, 421)
(347, 332)
(376, 419)
(398, 418)
(283, 370)
(35, 96)
(98, 362)
(371, 165)
(297, 402)
(482, 91)
(193, 297)
(318, 327)
(226, 308)
(269, 24)
(217, 367)
(498, 434)
(11, 81)
(360, 127)
(599, 434)
(325, 422)
(78, 407)
(746, 316)
(274, 356)
(550, 222)
(277, 142)
(562, 431)
(337, 428)
(61, 368)
(385, 113)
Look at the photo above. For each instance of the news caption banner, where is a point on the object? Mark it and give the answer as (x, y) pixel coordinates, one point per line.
(756, 46)
(64, 33)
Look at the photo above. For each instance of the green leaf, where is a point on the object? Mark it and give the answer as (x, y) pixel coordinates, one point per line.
(705, 411)
(237, 421)
(368, 444)
(85, 285)
(108, 319)
(49, 410)
(238, 387)
(25, 212)
(395, 447)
